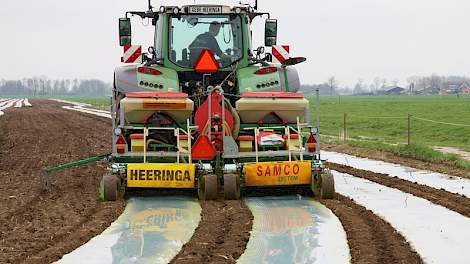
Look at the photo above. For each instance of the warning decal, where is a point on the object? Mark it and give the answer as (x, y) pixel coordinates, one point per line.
(280, 53)
(132, 54)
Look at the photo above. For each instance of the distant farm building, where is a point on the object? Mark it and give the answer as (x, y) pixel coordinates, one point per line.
(393, 90)
(446, 88)
(465, 88)
(396, 90)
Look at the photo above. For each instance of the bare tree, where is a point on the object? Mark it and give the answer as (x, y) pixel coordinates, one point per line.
(377, 83)
(413, 83)
(383, 84)
(359, 87)
(42, 86)
(435, 82)
(332, 84)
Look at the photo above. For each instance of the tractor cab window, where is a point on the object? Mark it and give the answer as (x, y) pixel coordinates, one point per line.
(190, 34)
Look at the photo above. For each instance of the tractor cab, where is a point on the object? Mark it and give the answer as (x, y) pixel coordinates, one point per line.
(190, 34)
(182, 33)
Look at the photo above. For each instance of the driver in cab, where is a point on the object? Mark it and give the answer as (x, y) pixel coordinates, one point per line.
(208, 41)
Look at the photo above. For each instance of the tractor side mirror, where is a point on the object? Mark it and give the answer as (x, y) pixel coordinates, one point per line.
(125, 31)
(270, 32)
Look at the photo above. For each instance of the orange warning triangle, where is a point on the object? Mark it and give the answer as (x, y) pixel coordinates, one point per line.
(203, 149)
(206, 63)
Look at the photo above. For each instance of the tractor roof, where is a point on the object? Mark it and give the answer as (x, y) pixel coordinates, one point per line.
(206, 9)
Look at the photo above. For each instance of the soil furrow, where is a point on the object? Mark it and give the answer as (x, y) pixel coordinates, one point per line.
(371, 240)
(455, 202)
(221, 236)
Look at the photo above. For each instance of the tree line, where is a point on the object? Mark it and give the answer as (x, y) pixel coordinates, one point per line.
(433, 83)
(42, 86)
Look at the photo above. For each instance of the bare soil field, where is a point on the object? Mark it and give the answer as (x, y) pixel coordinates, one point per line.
(38, 227)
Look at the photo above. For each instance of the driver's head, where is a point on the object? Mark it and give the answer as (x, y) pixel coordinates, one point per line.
(214, 28)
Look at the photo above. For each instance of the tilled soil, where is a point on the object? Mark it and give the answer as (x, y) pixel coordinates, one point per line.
(38, 227)
(452, 201)
(221, 236)
(371, 240)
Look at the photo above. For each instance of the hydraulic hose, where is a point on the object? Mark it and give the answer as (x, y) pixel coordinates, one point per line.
(236, 119)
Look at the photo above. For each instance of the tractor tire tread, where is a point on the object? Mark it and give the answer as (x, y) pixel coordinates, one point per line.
(231, 187)
(327, 189)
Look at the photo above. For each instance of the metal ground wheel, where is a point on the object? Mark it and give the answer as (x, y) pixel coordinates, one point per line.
(108, 188)
(316, 185)
(327, 189)
(231, 186)
(207, 187)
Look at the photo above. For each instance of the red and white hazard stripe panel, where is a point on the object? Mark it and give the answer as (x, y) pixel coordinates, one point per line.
(280, 53)
(132, 54)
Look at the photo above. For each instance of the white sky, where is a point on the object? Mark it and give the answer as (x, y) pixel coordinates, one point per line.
(348, 39)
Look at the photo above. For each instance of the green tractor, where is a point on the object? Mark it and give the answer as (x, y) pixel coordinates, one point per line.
(202, 110)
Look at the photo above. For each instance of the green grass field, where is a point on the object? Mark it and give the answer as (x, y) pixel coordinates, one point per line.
(384, 119)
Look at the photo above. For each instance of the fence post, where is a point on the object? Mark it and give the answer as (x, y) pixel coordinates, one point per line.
(409, 129)
(344, 126)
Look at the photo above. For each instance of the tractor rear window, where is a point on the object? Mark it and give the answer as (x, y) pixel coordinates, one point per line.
(190, 34)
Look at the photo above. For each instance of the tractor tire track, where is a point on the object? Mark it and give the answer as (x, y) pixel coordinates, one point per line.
(455, 202)
(371, 240)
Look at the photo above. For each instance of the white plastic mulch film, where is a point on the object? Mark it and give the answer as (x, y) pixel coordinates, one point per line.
(151, 230)
(294, 229)
(438, 234)
(429, 178)
(84, 108)
(6, 103)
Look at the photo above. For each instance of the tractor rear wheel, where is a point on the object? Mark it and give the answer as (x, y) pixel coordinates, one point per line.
(207, 187)
(327, 189)
(231, 186)
(109, 188)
